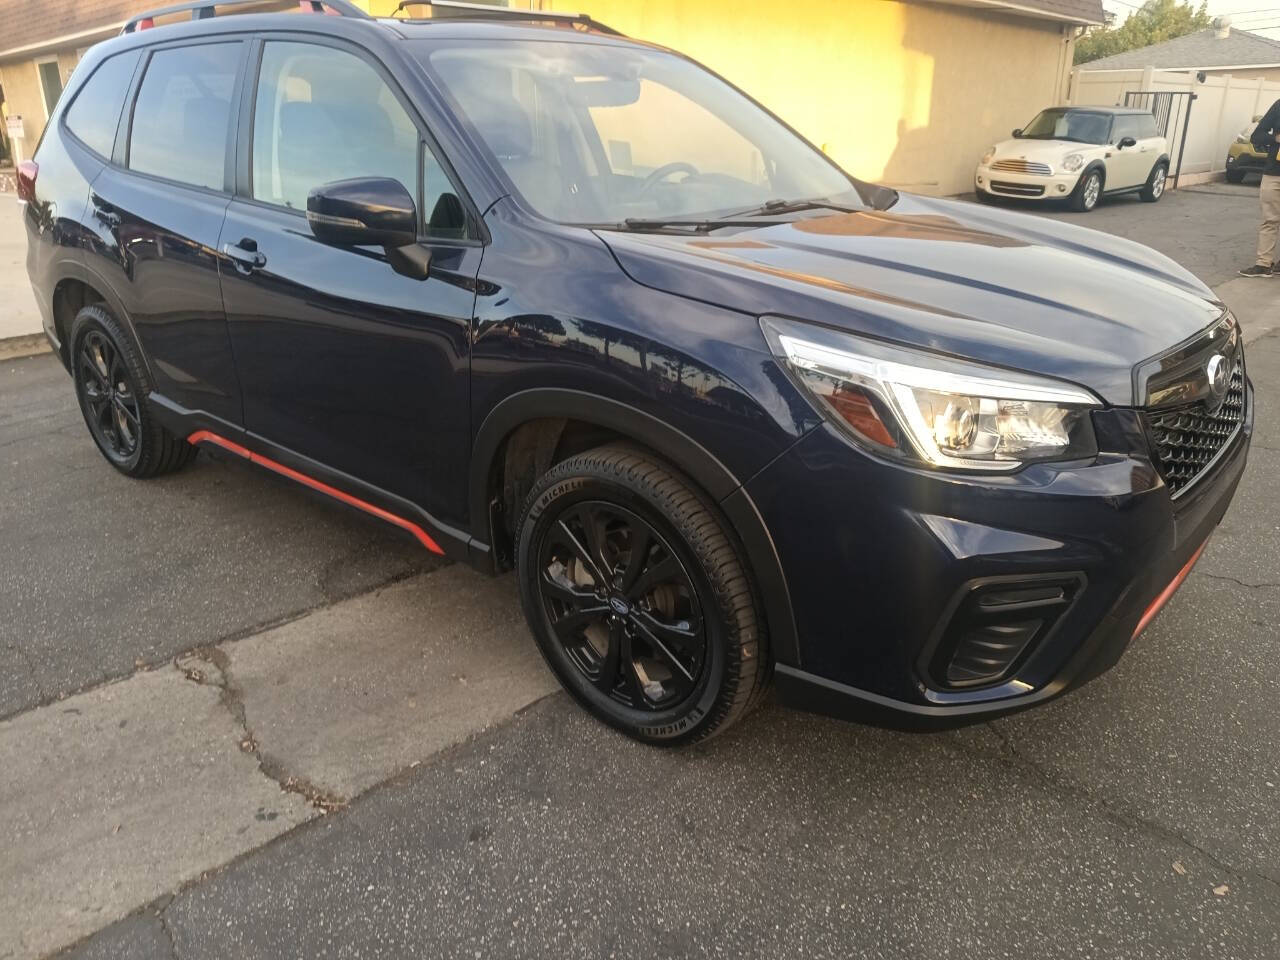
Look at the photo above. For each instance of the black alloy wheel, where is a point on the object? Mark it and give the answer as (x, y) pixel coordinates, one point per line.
(110, 396)
(112, 387)
(638, 598)
(622, 605)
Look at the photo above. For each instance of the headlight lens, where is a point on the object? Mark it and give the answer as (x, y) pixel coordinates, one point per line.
(1072, 162)
(988, 156)
(940, 411)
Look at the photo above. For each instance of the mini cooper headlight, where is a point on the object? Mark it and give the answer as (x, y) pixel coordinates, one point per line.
(1242, 139)
(935, 409)
(1072, 162)
(988, 156)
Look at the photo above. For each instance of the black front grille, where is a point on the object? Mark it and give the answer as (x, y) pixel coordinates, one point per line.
(1186, 440)
(1017, 189)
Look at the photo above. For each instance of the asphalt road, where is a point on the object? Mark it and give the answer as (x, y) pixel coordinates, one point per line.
(1137, 817)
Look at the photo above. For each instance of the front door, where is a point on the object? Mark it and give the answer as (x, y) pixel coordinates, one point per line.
(1128, 166)
(343, 361)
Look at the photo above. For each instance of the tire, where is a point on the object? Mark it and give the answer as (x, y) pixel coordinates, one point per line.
(111, 386)
(1084, 198)
(689, 589)
(1236, 176)
(1153, 189)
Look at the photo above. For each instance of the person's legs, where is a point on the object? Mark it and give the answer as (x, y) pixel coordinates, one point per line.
(1269, 195)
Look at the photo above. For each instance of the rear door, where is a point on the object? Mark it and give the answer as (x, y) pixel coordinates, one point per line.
(344, 363)
(155, 217)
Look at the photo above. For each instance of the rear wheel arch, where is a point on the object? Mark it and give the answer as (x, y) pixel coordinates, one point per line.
(70, 295)
(534, 430)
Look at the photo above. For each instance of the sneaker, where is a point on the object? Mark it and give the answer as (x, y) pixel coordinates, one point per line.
(1257, 270)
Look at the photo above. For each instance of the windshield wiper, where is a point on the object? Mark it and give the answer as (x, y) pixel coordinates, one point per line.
(641, 224)
(778, 207)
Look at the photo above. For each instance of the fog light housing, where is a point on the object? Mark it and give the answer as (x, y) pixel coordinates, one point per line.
(1062, 188)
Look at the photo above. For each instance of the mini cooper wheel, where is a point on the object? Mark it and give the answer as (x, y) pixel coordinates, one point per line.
(638, 598)
(111, 385)
(1156, 181)
(1087, 192)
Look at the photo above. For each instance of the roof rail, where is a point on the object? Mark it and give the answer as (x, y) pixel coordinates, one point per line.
(453, 8)
(204, 9)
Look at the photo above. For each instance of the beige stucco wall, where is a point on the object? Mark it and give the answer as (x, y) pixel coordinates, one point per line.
(22, 93)
(907, 94)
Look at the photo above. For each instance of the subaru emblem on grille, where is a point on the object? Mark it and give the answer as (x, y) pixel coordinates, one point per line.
(1219, 375)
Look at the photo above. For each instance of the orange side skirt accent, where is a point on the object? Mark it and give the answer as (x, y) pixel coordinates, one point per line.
(206, 436)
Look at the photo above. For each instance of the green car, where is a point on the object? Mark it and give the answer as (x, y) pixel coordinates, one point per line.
(1243, 156)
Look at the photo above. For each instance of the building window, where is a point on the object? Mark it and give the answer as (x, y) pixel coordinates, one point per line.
(50, 83)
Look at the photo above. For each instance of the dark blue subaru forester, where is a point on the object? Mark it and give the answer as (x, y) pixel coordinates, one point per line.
(547, 298)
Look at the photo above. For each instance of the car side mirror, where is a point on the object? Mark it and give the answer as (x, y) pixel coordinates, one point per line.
(1017, 133)
(370, 212)
(1127, 142)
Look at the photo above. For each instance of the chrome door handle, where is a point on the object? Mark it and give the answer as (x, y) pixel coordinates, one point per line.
(245, 255)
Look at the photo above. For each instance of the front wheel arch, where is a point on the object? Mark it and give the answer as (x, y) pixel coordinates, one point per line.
(629, 424)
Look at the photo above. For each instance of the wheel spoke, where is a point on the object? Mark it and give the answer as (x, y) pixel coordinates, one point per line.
(561, 589)
(590, 521)
(88, 364)
(668, 568)
(583, 555)
(569, 625)
(606, 678)
(641, 542)
(661, 634)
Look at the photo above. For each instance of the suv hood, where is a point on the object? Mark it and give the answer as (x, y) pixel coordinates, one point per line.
(1001, 288)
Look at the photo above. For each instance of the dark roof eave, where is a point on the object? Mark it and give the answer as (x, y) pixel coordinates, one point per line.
(1035, 11)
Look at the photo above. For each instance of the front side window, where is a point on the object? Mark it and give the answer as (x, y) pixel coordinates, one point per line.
(1080, 126)
(322, 114)
(592, 133)
(180, 118)
(95, 113)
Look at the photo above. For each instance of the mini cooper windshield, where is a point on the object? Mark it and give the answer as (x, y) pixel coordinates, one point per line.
(1081, 126)
(598, 134)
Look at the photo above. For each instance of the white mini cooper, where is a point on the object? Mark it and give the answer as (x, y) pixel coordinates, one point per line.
(1078, 154)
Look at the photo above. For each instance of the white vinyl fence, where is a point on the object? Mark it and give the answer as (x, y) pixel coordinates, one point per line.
(1223, 106)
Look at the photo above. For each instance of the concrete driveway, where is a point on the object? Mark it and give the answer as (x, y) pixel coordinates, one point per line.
(242, 723)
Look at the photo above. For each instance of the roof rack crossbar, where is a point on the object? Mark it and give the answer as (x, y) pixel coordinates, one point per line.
(203, 9)
(480, 10)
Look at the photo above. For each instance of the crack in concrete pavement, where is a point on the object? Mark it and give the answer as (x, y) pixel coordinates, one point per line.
(231, 697)
(1240, 583)
(1072, 792)
(142, 665)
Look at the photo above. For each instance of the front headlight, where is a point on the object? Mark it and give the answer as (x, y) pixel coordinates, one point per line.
(988, 156)
(935, 409)
(1072, 162)
(1242, 139)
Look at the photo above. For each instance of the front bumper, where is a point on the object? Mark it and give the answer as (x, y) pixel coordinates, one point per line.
(876, 555)
(1025, 186)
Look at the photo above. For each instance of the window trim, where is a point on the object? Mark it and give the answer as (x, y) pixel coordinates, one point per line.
(125, 104)
(120, 156)
(44, 94)
(248, 104)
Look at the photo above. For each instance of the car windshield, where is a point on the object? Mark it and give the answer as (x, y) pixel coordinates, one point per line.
(600, 134)
(1081, 126)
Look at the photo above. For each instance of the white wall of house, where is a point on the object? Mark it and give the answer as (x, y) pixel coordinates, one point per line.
(1224, 105)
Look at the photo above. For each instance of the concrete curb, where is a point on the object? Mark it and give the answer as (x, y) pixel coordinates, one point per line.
(14, 348)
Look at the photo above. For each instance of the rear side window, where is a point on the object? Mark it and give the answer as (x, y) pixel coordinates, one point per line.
(180, 118)
(95, 113)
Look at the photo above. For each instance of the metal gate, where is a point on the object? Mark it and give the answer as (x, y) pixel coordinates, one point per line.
(1172, 110)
